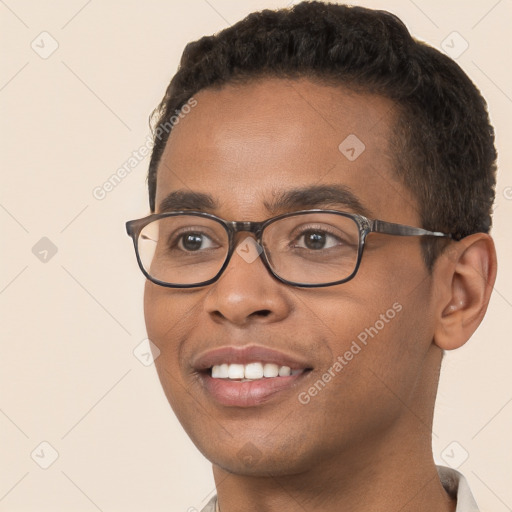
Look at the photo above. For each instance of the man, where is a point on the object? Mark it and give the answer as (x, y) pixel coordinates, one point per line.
(321, 188)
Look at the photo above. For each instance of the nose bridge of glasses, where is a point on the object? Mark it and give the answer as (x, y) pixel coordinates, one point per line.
(246, 226)
(238, 228)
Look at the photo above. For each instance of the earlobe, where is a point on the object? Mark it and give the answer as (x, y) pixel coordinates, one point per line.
(465, 275)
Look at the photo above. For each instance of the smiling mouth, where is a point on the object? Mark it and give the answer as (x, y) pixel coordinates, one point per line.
(252, 371)
(250, 375)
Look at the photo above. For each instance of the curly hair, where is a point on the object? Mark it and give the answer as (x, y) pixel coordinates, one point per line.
(444, 141)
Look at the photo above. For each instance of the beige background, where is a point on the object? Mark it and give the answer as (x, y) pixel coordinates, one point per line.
(70, 324)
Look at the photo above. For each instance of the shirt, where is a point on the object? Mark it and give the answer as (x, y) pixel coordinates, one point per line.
(454, 483)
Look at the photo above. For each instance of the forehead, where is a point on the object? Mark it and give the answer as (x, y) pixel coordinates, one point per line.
(245, 144)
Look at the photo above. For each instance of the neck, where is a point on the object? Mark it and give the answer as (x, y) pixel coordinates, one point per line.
(394, 474)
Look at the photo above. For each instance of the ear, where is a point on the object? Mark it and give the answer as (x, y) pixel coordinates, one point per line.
(464, 277)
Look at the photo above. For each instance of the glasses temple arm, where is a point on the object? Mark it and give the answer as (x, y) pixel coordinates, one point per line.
(390, 228)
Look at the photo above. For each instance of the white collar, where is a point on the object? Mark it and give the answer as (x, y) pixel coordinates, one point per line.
(457, 486)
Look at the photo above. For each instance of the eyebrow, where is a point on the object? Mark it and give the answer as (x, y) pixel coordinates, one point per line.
(302, 198)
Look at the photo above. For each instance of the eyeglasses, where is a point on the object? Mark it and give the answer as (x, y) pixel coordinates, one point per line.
(307, 248)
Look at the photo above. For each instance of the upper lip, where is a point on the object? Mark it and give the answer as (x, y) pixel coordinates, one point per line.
(245, 355)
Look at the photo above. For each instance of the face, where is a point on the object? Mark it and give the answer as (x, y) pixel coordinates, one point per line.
(362, 350)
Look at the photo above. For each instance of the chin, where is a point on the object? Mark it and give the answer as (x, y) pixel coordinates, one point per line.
(263, 460)
(263, 467)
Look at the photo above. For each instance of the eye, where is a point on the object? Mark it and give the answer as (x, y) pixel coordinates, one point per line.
(192, 241)
(317, 239)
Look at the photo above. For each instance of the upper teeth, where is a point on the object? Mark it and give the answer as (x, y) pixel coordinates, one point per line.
(251, 371)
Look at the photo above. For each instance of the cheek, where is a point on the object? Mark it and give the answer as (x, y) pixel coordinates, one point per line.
(379, 360)
(156, 315)
(166, 316)
(381, 326)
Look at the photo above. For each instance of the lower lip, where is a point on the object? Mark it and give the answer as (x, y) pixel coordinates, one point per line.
(251, 393)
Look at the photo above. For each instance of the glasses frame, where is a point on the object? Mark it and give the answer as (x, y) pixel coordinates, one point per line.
(365, 225)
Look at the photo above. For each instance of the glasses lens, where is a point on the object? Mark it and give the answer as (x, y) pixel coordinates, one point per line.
(183, 249)
(313, 248)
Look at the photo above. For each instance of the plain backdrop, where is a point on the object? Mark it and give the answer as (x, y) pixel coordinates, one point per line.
(73, 374)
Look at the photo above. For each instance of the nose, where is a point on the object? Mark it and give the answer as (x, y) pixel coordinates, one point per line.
(246, 291)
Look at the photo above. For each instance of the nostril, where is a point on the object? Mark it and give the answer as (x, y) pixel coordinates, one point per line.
(262, 312)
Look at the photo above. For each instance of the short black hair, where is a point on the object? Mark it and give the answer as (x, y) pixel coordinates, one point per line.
(443, 138)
